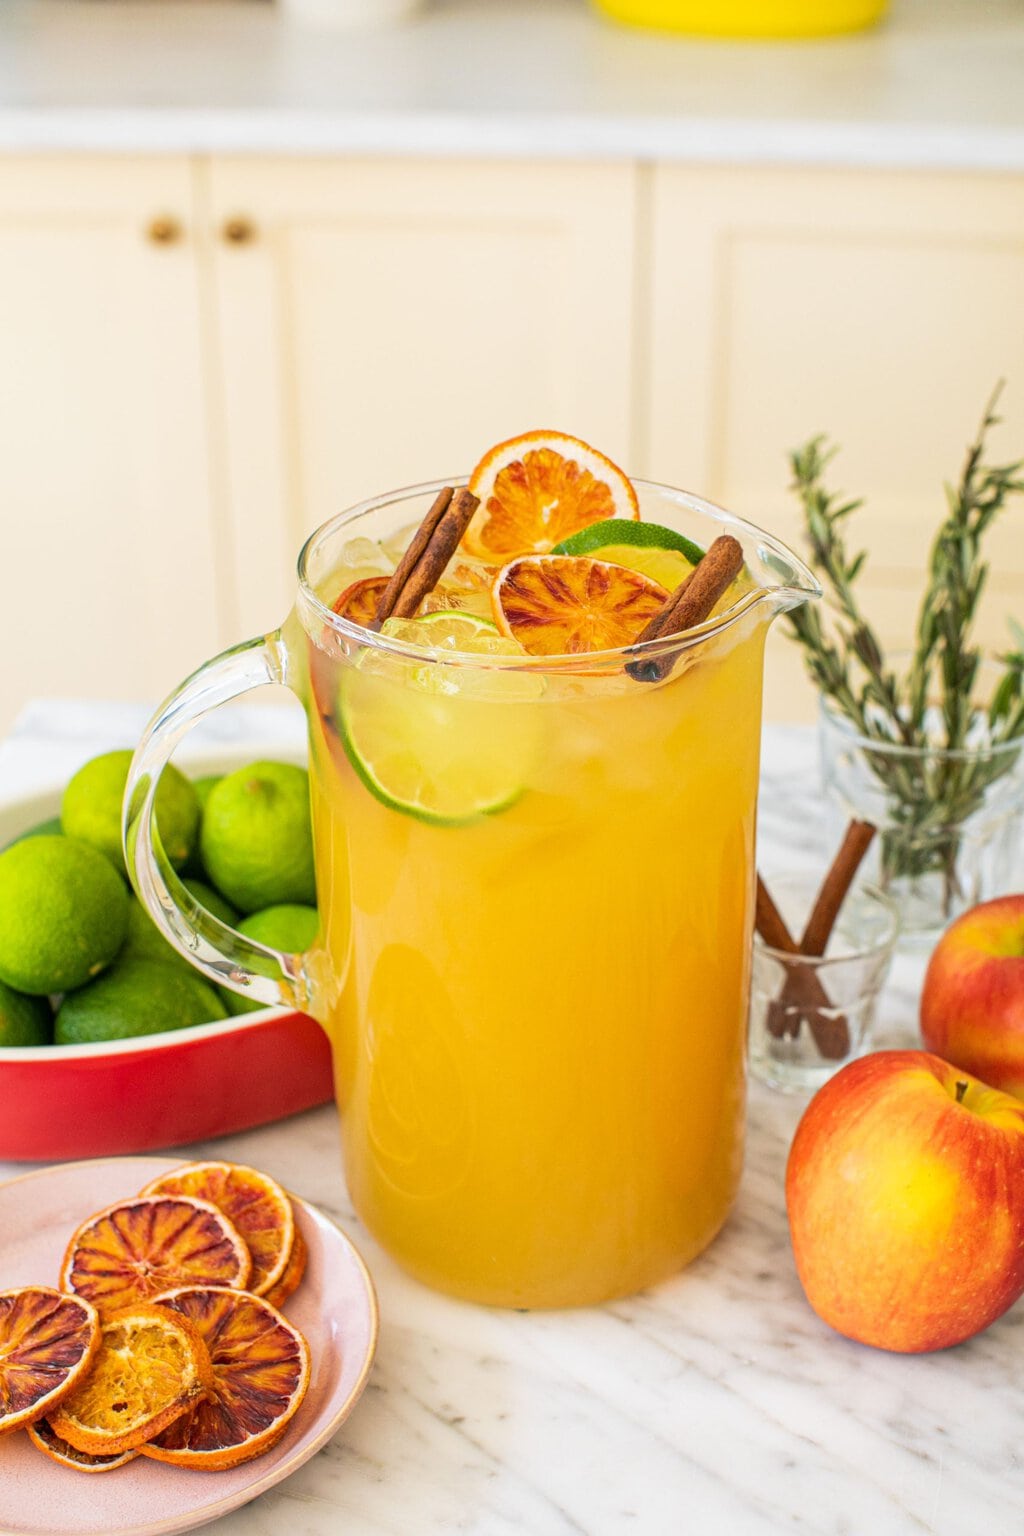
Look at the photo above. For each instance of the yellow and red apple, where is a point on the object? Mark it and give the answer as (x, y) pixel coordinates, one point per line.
(905, 1194)
(972, 1005)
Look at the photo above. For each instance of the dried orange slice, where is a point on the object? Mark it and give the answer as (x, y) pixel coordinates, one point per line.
(46, 1439)
(138, 1248)
(537, 489)
(565, 605)
(260, 1366)
(290, 1280)
(150, 1368)
(359, 601)
(47, 1343)
(255, 1205)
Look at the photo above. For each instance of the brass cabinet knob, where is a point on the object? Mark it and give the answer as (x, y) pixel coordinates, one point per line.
(238, 231)
(165, 229)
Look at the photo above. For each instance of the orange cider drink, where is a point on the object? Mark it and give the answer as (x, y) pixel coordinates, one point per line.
(535, 875)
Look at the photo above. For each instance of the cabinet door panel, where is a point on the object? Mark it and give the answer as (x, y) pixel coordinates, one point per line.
(108, 568)
(878, 308)
(389, 322)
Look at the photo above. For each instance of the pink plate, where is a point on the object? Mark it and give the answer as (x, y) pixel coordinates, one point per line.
(160, 1090)
(335, 1307)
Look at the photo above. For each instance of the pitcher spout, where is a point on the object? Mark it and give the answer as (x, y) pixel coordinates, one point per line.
(785, 581)
(779, 580)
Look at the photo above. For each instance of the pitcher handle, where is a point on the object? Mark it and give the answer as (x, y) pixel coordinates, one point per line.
(225, 956)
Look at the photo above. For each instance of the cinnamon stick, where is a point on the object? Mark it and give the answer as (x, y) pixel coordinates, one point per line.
(802, 988)
(417, 573)
(429, 551)
(802, 996)
(770, 923)
(855, 844)
(690, 604)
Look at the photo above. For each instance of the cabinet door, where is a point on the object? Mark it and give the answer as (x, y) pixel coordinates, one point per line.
(384, 323)
(879, 308)
(107, 557)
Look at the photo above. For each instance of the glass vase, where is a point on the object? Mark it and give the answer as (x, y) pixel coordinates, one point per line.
(950, 822)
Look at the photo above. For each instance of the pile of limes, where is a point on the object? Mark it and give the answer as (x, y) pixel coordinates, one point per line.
(80, 957)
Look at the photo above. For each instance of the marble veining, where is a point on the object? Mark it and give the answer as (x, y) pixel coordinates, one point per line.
(715, 1403)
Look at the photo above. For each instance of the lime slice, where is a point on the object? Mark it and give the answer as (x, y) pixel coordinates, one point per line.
(444, 743)
(449, 626)
(660, 553)
(624, 530)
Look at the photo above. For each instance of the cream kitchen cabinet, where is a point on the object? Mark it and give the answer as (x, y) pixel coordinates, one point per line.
(109, 550)
(205, 357)
(380, 323)
(877, 307)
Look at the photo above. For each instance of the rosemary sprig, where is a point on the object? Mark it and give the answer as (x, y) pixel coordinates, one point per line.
(851, 668)
(929, 795)
(957, 576)
(830, 664)
(1006, 711)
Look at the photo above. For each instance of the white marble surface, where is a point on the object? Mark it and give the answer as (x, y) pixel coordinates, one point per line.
(938, 86)
(714, 1405)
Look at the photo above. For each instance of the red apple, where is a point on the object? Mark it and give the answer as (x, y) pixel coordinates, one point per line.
(905, 1193)
(972, 1006)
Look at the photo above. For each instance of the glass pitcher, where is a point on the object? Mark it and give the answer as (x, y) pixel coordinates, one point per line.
(535, 878)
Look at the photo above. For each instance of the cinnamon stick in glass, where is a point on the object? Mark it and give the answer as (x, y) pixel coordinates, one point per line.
(802, 989)
(855, 844)
(430, 549)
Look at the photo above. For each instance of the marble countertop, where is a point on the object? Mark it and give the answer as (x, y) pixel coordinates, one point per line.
(938, 86)
(716, 1404)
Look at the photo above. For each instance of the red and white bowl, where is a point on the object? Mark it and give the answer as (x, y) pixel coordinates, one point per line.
(163, 1090)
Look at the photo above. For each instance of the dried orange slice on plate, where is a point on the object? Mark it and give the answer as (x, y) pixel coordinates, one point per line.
(359, 601)
(46, 1439)
(253, 1202)
(260, 1373)
(133, 1250)
(539, 488)
(567, 605)
(292, 1277)
(150, 1368)
(47, 1343)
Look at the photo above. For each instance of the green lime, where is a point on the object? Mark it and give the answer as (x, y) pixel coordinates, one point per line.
(290, 926)
(257, 839)
(49, 828)
(91, 808)
(445, 744)
(212, 900)
(203, 785)
(136, 997)
(63, 914)
(193, 865)
(145, 941)
(24, 1020)
(660, 553)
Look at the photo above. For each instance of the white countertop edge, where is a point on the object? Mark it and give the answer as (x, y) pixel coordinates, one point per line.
(556, 137)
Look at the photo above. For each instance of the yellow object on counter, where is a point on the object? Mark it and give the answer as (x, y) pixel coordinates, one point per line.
(747, 18)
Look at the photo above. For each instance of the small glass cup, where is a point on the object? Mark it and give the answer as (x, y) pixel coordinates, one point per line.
(810, 1015)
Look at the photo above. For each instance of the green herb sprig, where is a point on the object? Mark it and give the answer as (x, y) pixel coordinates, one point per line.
(932, 703)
